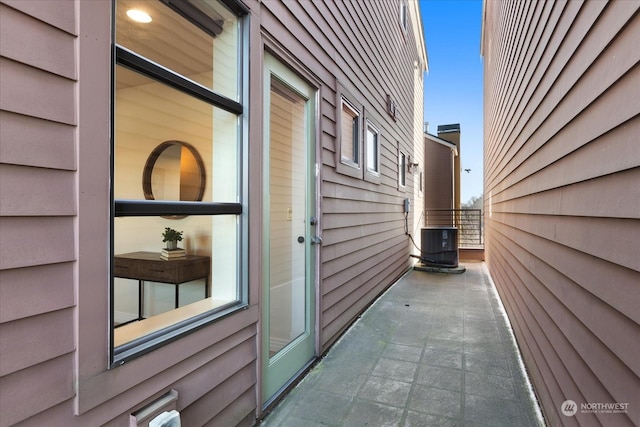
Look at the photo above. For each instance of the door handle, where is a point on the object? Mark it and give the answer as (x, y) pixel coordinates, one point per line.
(316, 240)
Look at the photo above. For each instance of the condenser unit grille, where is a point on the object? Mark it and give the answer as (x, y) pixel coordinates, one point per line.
(439, 246)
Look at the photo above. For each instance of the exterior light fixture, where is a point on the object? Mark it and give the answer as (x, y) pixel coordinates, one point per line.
(412, 166)
(139, 16)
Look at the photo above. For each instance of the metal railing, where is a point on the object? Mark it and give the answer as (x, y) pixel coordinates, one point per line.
(470, 224)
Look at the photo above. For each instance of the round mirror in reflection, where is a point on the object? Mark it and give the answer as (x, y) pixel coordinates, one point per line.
(174, 171)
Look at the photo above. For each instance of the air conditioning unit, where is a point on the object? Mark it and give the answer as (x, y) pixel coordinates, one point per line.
(439, 246)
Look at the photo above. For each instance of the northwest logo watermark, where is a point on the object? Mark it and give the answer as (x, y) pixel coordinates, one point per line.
(569, 408)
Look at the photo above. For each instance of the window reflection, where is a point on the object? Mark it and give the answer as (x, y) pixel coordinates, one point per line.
(149, 112)
(174, 171)
(197, 158)
(184, 48)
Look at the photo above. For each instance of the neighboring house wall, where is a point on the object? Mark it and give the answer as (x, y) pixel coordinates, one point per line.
(451, 133)
(562, 167)
(439, 180)
(55, 98)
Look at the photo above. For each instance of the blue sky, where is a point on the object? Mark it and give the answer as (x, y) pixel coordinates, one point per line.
(453, 85)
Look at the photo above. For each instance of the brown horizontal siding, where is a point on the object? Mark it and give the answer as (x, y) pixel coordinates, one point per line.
(530, 323)
(583, 128)
(603, 155)
(561, 97)
(338, 317)
(37, 183)
(157, 371)
(60, 14)
(355, 267)
(336, 186)
(598, 237)
(36, 191)
(243, 404)
(216, 387)
(30, 391)
(36, 241)
(32, 344)
(376, 233)
(555, 29)
(37, 43)
(558, 281)
(216, 383)
(563, 224)
(608, 196)
(47, 288)
(336, 236)
(31, 141)
(539, 64)
(58, 105)
(590, 364)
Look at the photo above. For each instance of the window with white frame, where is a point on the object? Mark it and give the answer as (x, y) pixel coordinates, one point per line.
(404, 16)
(402, 170)
(373, 148)
(177, 164)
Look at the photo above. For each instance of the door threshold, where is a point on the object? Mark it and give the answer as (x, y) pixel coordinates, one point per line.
(285, 389)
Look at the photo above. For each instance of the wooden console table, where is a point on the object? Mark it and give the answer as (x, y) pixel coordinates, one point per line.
(149, 266)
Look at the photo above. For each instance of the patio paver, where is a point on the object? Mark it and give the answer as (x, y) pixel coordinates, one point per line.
(434, 350)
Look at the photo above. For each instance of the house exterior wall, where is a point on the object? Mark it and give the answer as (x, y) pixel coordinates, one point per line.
(453, 136)
(55, 96)
(364, 248)
(562, 164)
(439, 180)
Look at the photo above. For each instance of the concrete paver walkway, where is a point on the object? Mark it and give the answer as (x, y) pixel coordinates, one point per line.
(434, 350)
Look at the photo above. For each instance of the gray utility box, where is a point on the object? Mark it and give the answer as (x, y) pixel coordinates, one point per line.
(439, 246)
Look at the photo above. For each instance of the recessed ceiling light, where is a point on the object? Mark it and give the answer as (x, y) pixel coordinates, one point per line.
(139, 16)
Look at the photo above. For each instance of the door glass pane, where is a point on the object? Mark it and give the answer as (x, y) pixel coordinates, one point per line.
(287, 212)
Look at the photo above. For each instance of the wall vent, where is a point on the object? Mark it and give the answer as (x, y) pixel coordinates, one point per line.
(166, 403)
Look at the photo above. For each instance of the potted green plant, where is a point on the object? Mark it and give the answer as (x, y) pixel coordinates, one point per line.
(171, 237)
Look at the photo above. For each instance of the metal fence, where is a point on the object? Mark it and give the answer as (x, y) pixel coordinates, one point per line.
(470, 224)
